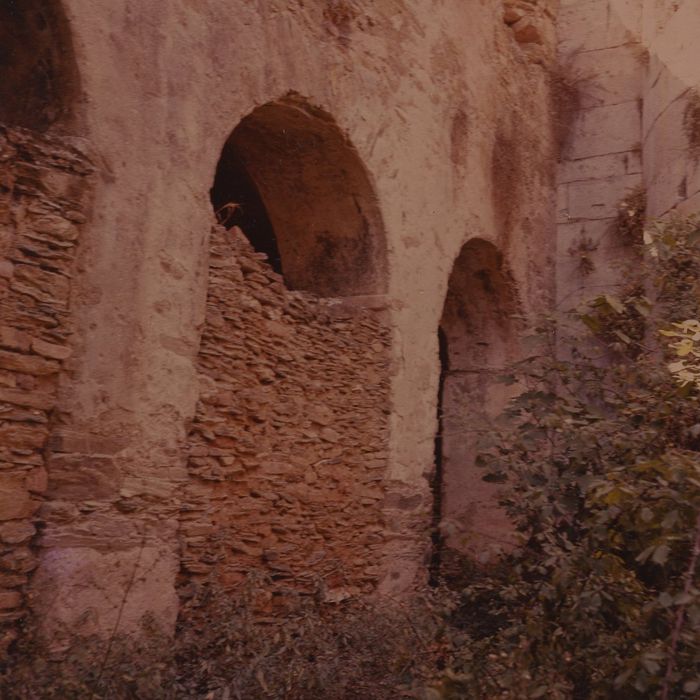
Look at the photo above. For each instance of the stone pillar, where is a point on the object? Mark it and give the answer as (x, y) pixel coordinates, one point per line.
(45, 185)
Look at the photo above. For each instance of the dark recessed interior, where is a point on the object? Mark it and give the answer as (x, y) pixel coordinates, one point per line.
(237, 202)
(37, 74)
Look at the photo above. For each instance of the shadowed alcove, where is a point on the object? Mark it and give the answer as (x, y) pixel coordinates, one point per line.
(295, 185)
(478, 337)
(38, 76)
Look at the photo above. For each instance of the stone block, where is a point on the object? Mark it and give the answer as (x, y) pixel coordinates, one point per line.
(513, 11)
(571, 235)
(598, 199)
(588, 25)
(608, 76)
(67, 440)
(690, 205)
(51, 350)
(16, 532)
(90, 592)
(15, 501)
(527, 31)
(668, 161)
(663, 88)
(28, 364)
(605, 130)
(36, 481)
(21, 436)
(667, 189)
(12, 580)
(56, 227)
(10, 600)
(14, 339)
(600, 167)
(31, 399)
(42, 285)
(76, 477)
(562, 203)
(19, 561)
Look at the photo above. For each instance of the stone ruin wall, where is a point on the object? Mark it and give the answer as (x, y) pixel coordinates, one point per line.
(288, 446)
(601, 58)
(138, 488)
(632, 124)
(44, 195)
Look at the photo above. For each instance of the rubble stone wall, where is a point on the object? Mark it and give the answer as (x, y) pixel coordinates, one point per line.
(288, 447)
(44, 194)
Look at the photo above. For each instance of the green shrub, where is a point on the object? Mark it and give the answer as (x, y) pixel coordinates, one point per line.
(601, 452)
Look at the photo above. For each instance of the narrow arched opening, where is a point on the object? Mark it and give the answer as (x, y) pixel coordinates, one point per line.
(38, 77)
(478, 338)
(293, 183)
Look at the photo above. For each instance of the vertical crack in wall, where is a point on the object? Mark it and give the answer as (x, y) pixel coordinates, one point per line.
(437, 485)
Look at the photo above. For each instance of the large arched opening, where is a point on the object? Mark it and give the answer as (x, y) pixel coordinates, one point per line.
(478, 337)
(289, 443)
(291, 180)
(38, 76)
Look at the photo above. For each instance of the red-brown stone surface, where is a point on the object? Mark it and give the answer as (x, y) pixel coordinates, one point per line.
(287, 451)
(43, 187)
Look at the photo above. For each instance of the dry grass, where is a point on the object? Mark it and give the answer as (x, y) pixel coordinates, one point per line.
(224, 648)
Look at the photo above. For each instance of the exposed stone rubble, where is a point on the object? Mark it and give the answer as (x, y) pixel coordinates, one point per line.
(532, 23)
(44, 187)
(288, 449)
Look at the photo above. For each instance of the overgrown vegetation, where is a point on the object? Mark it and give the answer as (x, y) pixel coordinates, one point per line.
(602, 598)
(629, 221)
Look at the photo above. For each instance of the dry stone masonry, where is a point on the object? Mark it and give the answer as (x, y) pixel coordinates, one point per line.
(44, 192)
(288, 448)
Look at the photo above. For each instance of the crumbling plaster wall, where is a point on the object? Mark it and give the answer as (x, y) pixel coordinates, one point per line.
(449, 114)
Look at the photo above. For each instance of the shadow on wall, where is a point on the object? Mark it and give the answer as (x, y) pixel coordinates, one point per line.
(38, 75)
(478, 337)
(291, 180)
